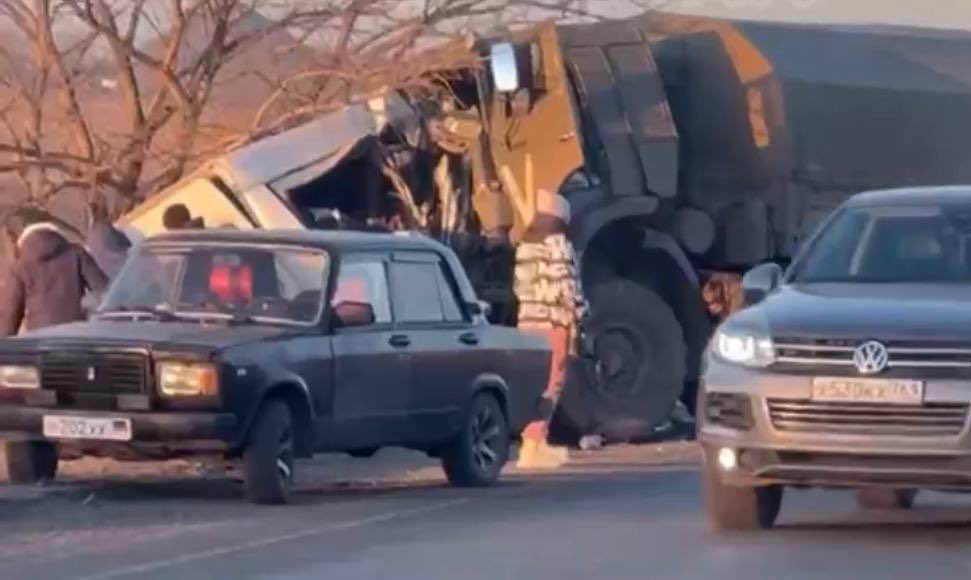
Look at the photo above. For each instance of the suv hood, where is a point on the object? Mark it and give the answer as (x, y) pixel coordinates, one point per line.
(155, 334)
(918, 312)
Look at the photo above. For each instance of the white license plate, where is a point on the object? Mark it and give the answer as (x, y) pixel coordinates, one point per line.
(66, 427)
(851, 390)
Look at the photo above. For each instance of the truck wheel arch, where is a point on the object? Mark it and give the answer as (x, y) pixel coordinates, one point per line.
(591, 225)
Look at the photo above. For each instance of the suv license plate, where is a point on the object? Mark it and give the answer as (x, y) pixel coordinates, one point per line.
(65, 427)
(886, 391)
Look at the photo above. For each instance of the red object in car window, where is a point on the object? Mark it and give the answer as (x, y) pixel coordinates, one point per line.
(232, 284)
(350, 290)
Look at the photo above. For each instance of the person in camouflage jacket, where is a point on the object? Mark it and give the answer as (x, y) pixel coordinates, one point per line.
(551, 302)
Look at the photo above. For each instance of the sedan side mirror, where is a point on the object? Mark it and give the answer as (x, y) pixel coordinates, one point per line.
(479, 308)
(760, 281)
(352, 314)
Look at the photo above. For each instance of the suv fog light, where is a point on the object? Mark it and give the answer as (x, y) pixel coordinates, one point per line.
(727, 459)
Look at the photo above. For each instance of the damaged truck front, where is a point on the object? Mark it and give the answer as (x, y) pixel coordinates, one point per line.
(690, 150)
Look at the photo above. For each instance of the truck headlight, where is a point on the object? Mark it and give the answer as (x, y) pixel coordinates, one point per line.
(177, 379)
(19, 377)
(744, 348)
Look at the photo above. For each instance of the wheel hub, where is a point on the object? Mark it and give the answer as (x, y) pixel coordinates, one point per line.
(485, 432)
(620, 354)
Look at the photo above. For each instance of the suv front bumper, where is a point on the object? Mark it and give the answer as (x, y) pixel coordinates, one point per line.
(831, 454)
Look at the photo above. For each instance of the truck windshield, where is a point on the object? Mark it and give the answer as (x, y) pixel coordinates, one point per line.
(233, 282)
(901, 244)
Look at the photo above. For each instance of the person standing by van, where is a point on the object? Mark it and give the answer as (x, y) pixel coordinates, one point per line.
(48, 283)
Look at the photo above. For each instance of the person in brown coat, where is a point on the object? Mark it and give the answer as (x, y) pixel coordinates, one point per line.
(49, 279)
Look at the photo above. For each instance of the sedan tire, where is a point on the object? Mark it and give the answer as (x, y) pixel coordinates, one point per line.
(268, 460)
(886, 499)
(31, 461)
(476, 456)
(733, 508)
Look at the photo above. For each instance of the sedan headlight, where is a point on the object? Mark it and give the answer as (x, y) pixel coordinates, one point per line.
(176, 379)
(19, 377)
(744, 348)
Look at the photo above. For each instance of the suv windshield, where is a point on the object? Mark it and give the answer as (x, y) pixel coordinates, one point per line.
(235, 282)
(899, 244)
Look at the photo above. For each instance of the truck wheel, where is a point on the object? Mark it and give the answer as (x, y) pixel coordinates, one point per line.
(886, 499)
(733, 508)
(641, 360)
(268, 459)
(31, 461)
(476, 456)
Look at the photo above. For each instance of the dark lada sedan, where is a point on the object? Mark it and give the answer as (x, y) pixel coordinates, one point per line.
(853, 368)
(264, 347)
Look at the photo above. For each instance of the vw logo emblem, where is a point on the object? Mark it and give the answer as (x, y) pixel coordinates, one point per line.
(870, 358)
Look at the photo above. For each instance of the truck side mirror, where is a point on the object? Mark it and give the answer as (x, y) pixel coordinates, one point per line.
(760, 281)
(510, 65)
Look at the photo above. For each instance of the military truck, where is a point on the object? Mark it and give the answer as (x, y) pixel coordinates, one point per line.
(690, 150)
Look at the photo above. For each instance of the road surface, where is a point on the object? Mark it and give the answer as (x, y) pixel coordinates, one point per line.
(614, 514)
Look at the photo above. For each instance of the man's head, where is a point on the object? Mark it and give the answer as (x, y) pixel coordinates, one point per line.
(552, 213)
(552, 204)
(177, 217)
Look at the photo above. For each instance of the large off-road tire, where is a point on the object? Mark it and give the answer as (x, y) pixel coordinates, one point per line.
(476, 456)
(268, 460)
(886, 499)
(641, 357)
(31, 461)
(733, 508)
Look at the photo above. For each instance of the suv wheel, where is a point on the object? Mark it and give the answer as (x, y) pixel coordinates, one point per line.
(886, 499)
(268, 459)
(476, 456)
(733, 508)
(31, 461)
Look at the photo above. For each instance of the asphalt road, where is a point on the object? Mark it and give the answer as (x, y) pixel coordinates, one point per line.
(614, 514)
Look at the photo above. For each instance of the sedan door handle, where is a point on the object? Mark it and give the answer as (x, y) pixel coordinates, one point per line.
(399, 340)
(469, 338)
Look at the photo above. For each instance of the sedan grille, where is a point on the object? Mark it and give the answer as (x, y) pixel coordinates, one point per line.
(930, 419)
(107, 373)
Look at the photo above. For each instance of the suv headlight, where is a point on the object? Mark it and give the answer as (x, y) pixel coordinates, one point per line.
(744, 348)
(176, 379)
(19, 377)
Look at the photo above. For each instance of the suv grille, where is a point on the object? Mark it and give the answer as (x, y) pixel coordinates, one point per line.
(930, 419)
(74, 372)
(918, 360)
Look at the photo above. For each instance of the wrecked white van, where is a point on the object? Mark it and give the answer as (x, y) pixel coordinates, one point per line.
(280, 182)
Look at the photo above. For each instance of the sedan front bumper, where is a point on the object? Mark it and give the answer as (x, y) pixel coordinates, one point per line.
(172, 432)
(789, 439)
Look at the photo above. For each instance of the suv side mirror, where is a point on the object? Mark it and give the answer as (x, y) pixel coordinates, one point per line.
(760, 281)
(352, 314)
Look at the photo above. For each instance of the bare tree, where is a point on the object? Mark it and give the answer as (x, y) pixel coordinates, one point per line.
(122, 97)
